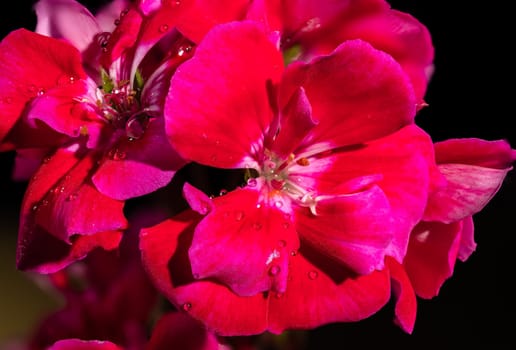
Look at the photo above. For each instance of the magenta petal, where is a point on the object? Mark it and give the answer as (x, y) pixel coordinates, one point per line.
(406, 303)
(469, 188)
(177, 330)
(357, 89)
(197, 199)
(77, 344)
(62, 199)
(431, 256)
(164, 252)
(22, 54)
(66, 19)
(467, 242)
(138, 167)
(218, 104)
(295, 124)
(313, 298)
(496, 154)
(354, 229)
(243, 245)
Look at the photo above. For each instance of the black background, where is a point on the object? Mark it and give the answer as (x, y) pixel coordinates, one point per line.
(471, 95)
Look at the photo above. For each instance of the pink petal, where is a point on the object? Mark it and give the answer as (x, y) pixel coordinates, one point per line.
(58, 254)
(399, 164)
(137, 167)
(496, 154)
(467, 242)
(243, 245)
(109, 13)
(60, 204)
(177, 330)
(164, 250)
(354, 229)
(468, 189)
(314, 298)
(406, 303)
(399, 34)
(357, 89)
(295, 124)
(77, 344)
(59, 109)
(26, 163)
(66, 19)
(199, 16)
(431, 256)
(229, 73)
(22, 54)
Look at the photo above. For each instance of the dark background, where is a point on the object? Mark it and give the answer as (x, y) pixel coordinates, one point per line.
(471, 95)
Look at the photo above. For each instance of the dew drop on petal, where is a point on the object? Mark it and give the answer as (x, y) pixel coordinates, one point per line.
(204, 208)
(35, 207)
(278, 204)
(285, 225)
(186, 306)
(274, 270)
(293, 253)
(136, 126)
(239, 215)
(313, 275)
(252, 182)
(223, 192)
(163, 28)
(72, 197)
(278, 295)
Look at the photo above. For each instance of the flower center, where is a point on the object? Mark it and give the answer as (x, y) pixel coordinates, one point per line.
(276, 173)
(120, 106)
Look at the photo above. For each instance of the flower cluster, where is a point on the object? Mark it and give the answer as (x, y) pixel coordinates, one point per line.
(255, 162)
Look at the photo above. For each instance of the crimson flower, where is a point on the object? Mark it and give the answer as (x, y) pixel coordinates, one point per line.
(472, 171)
(337, 177)
(90, 105)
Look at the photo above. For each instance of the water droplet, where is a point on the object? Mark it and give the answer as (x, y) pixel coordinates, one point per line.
(257, 226)
(282, 243)
(41, 92)
(285, 225)
(186, 306)
(136, 126)
(204, 208)
(124, 12)
(274, 270)
(72, 197)
(258, 206)
(293, 253)
(204, 136)
(252, 182)
(278, 204)
(223, 192)
(279, 295)
(35, 207)
(313, 275)
(183, 50)
(117, 22)
(44, 202)
(239, 215)
(163, 28)
(171, 2)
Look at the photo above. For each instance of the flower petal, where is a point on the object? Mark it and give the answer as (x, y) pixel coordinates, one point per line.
(354, 229)
(78, 344)
(164, 250)
(22, 54)
(66, 19)
(218, 100)
(137, 167)
(357, 89)
(244, 245)
(406, 303)
(177, 330)
(431, 256)
(313, 298)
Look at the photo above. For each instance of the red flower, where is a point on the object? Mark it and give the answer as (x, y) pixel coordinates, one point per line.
(472, 172)
(337, 178)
